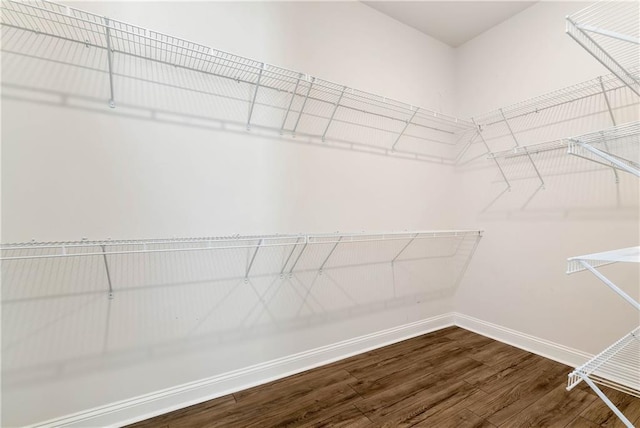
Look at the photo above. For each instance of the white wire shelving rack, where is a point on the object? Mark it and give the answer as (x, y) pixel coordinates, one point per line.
(519, 138)
(248, 91)
(618, 366)
(617, 147)
(610, 32)
(294, 246)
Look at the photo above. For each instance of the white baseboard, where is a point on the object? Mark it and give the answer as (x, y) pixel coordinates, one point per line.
(545, 348)
(167, 400)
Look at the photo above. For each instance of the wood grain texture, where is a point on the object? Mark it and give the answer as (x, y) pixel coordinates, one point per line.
(449, 378)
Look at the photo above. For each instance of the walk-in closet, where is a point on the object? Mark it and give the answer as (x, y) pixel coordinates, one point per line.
(320, 213)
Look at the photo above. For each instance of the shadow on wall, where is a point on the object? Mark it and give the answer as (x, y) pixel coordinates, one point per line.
(58, 321)
(230, 96)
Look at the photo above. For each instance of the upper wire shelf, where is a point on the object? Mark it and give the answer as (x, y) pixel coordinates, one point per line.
(259, 94)
(610, 32)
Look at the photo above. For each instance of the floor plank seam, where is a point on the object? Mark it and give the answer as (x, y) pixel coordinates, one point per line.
(362, 413)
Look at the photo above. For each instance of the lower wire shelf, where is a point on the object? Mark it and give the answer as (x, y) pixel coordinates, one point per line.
(617, 367)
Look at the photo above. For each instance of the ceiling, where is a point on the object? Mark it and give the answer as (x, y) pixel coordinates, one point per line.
(451, 22)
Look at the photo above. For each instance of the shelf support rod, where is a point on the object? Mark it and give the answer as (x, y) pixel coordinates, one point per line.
(610, 284)
(255, 94)
(330, 253)
(608, 33)
(608, 402)
(304, 247)
(504, 176)
(606, 99)
(615, 161)
(415, 235)
(335, 109)
(613, 120)
(112, 102)
(513, 135)
(255, 253)
(406, 125)
(289, 257)
(304, 103)
(106, 269)
(293, 97)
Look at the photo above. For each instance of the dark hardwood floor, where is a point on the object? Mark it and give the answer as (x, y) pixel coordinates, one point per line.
(449, 378)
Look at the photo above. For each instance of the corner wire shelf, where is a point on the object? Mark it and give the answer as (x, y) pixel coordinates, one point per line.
(271, 97)
(610, 32)
(618, 366)
(617, 147)
(542, 124)
(253, 244)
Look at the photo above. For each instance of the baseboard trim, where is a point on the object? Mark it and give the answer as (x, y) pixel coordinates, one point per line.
(545, 348)
(163, 401)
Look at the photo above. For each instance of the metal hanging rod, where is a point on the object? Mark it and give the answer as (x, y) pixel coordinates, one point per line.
(102, 248)
(55, 20)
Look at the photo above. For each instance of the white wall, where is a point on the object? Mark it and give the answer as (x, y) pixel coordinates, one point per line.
(72, 168)
(516, 278)
(82, 170)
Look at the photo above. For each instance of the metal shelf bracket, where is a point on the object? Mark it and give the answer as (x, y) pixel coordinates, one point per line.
(333, 113)
(253, 258)
(112, 102)
(329, 255)
(255, 95)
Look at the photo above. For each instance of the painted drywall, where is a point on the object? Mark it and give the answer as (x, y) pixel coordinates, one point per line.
(73, 168)
(517, 277)
(87, 171)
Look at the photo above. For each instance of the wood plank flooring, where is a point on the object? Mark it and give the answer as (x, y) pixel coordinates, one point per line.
(449, 378)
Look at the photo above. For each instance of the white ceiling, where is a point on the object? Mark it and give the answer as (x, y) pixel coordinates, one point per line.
(452, 22)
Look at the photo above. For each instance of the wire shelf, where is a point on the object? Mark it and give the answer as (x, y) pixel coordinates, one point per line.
(617, 367)
(526, 139)
(248, 91)
(610, 32)
(628, 255)
(84, 248)
(617, 147)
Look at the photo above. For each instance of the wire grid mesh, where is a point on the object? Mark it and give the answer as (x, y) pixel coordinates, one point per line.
(610, 31)
(621, 143)
(52, 65)
(617, 367)
(631, 254)
(166, 300)
(100, 266)
(245, 91)
(528, 139)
